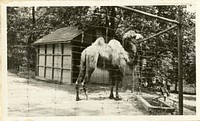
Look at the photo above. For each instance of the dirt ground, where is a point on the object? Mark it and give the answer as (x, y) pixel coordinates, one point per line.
(36, 98)
(28, 97)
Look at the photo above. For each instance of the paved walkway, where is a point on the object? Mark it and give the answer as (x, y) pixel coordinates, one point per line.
(35, 98)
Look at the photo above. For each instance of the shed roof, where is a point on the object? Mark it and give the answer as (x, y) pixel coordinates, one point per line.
(60, 35)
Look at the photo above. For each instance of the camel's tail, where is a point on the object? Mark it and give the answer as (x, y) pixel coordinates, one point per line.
(83, 59)
(82, 68)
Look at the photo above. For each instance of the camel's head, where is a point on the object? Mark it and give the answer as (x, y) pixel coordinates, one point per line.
(130, 40)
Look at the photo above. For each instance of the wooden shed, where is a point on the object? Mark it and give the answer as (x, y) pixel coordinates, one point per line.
(58, 55)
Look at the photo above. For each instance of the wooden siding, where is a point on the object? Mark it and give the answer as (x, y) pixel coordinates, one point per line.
(100, 76)
(54, 62)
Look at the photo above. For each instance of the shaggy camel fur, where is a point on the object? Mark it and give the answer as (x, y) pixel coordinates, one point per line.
(112, 57)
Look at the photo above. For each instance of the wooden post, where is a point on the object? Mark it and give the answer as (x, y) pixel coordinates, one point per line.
(82, 40)
(53, 49)
(180, 67)
(135, 78)
(106, 34)
(61, 66)
(37, 60)
(82, 37)
(45, 60)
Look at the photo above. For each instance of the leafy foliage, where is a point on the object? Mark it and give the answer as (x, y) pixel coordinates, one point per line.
(162, 52)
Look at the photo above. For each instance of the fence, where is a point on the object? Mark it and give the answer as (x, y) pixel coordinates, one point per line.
(179, 37)
(53, 61)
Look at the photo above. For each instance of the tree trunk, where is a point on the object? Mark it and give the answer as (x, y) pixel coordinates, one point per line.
(107, 23)
(31, 39)
(113, 21)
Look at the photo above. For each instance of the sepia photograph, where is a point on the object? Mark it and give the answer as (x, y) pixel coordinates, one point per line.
(136, 60)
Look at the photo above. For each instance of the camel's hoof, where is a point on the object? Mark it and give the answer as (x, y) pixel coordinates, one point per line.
(111, 97)
(118, 98)
(77, 99)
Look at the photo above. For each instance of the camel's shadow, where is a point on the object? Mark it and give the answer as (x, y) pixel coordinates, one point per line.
(99, 98)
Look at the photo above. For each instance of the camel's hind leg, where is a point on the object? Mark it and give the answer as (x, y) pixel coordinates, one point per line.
(90, 65)
(87, 80)
(78, 81)
(119, 78)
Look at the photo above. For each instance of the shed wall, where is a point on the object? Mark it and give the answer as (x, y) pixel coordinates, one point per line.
(61, 62)
(54, 62)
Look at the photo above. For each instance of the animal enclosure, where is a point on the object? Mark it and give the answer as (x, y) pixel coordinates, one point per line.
(161, 55)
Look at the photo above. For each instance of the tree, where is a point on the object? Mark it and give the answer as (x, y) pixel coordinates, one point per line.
(26, 25)
(161, 52)
(16, 36)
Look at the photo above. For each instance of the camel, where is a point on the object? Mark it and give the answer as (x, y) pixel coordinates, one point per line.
(112, 56)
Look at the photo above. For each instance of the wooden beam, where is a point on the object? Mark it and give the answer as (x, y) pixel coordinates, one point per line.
(180, 67)
(71, 53)
(148, 14)
(54, 54)
(157, 34)
(54, 67)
